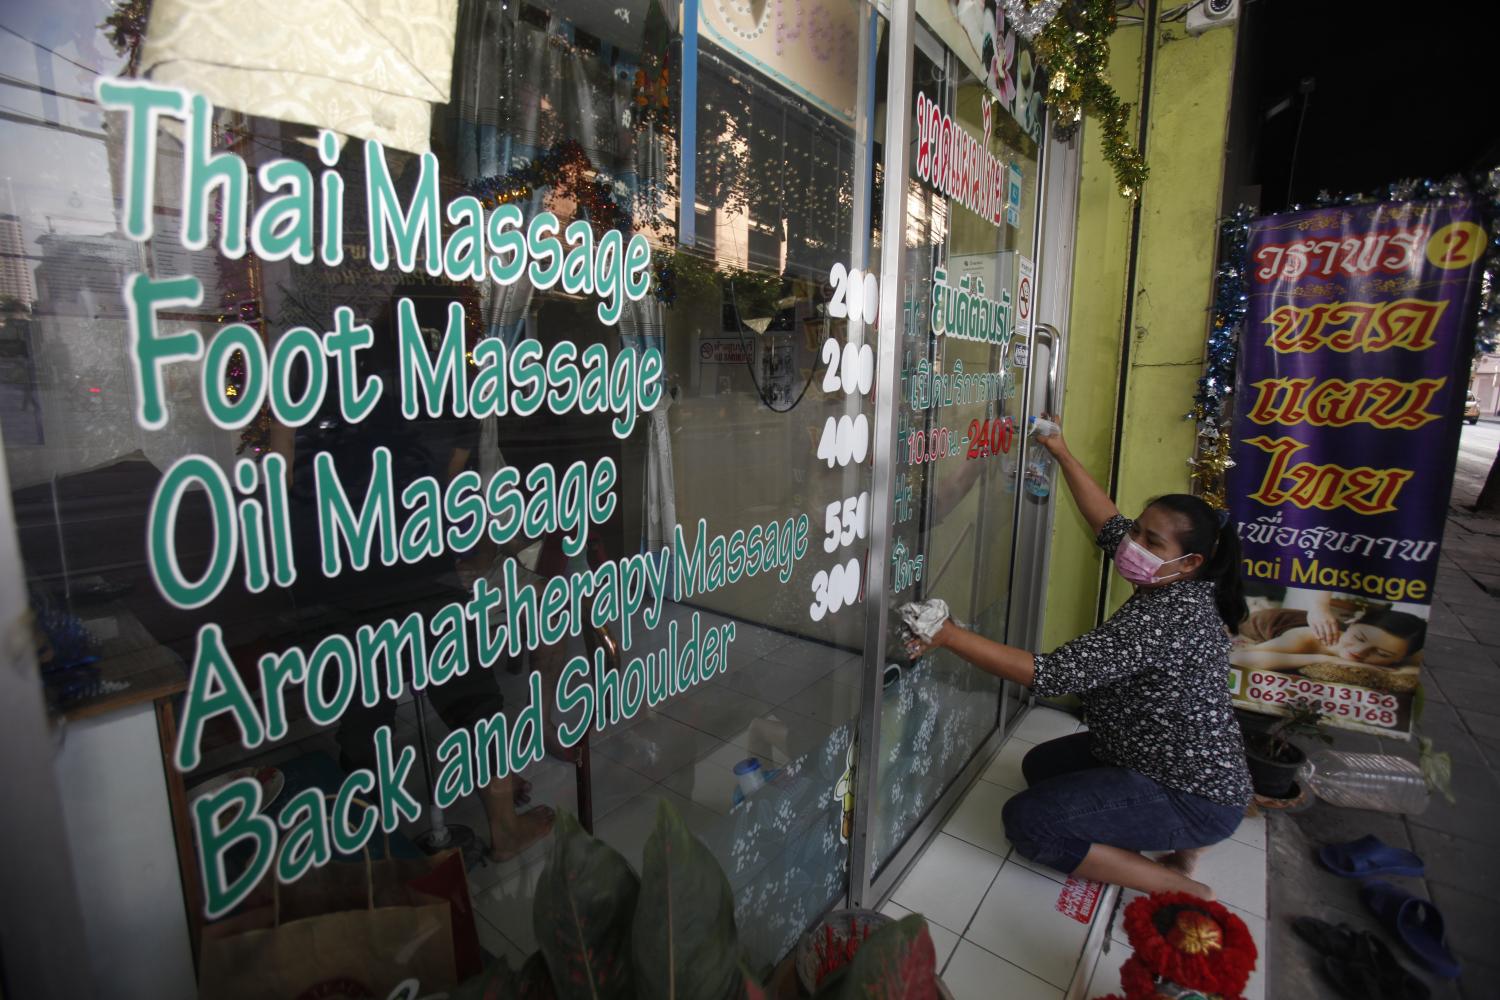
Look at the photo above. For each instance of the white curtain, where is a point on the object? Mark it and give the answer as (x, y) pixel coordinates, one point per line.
(520, 91)
(366, 68)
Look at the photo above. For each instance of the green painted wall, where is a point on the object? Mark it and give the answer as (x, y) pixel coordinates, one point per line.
(1100, 271)
(1189, 112)
(1174, 275)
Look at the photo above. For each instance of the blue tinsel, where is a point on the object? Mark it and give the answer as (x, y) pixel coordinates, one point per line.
(1230, 303)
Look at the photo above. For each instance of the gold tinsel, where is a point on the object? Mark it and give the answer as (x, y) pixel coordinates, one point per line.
(1074, 50)
(1209, 467)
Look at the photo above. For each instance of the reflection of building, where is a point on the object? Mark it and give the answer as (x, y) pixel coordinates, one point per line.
(15, 273)
(82, 275)
(77, 383)
(1485, 383)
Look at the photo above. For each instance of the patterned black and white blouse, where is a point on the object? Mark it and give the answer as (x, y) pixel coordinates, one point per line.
(1154, 684)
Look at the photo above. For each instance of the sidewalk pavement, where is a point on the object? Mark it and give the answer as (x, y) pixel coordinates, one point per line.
(1459, 842)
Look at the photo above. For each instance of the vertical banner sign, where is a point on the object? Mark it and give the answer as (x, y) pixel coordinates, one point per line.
(1352, 370)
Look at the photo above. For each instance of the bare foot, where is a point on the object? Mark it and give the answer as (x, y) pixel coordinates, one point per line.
(529, 827)
(1202, 891)
(1183, 863)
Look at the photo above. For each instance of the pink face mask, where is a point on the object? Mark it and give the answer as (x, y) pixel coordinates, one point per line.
(1140, 565)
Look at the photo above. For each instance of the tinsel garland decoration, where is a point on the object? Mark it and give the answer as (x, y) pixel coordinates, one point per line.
(1211, 460)
(1074, 51)
(565, 168)
(1029, 17)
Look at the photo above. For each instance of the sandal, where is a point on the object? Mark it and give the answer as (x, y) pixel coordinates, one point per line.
(1337, 941)
(1361, 982)
(1417, 923)
(1369, 856)
(1358, 963)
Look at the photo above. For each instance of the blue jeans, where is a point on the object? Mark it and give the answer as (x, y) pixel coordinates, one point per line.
(1074, 800)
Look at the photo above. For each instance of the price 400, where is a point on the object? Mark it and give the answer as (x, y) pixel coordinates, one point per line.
(845, 439)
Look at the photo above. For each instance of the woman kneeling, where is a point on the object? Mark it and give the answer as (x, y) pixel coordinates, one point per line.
(1162, 767)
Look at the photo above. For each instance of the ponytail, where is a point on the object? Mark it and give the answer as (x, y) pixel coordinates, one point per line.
(1218, 542)
(1223, 568)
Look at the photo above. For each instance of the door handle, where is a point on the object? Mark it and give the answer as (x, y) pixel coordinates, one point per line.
(1056, 343)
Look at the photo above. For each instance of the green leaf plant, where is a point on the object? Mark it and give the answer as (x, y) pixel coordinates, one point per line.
(1437, 766)
(1304, 719)
(605, 934)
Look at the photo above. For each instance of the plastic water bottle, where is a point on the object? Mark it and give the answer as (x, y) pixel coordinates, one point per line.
(1368, 781)
(1039, 465)
(750, 777)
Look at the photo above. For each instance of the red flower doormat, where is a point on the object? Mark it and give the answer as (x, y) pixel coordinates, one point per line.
(1185, 946)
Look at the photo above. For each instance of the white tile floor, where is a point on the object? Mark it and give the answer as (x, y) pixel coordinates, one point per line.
(993, 915)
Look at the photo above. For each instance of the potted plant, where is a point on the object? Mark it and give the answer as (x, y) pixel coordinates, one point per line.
(605, 932)
(1274, 758)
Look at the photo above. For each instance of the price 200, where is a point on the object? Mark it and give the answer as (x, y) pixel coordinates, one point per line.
(856, 294)
(834, 588)
(851, 367)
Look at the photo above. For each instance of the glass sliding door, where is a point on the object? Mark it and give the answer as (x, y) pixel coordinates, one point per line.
(970, 222)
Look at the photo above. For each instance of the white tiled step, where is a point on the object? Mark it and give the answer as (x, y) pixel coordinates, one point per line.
(948, 882)
(943, 939)
(1042, 724)
(1019, 922)
(975, 974)
(1236, 868)
(1001, 910)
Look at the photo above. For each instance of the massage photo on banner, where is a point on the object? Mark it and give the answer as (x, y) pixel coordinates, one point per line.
(1355, 659)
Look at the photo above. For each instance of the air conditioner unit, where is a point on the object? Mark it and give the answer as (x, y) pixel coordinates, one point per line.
(1207, 14)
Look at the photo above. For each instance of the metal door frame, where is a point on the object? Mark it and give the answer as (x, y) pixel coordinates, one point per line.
(1052, 252)
(896, 165)
(1054, 247)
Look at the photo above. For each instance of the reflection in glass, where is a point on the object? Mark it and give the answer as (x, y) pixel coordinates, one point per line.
(957, 470)
(567, 108)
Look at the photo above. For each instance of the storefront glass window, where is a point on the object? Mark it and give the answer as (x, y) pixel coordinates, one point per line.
(416, 426)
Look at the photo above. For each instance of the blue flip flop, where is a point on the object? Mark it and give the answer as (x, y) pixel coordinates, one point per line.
(1369, 856)
(1415, 921)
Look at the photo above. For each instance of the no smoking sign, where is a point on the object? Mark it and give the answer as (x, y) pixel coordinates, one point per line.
(1025, 301)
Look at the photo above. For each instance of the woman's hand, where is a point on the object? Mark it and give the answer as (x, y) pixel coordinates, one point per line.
(917, 647)
(1323, 624)
(1054, 442)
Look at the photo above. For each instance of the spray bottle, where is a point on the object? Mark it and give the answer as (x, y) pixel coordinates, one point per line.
(1039, 465)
